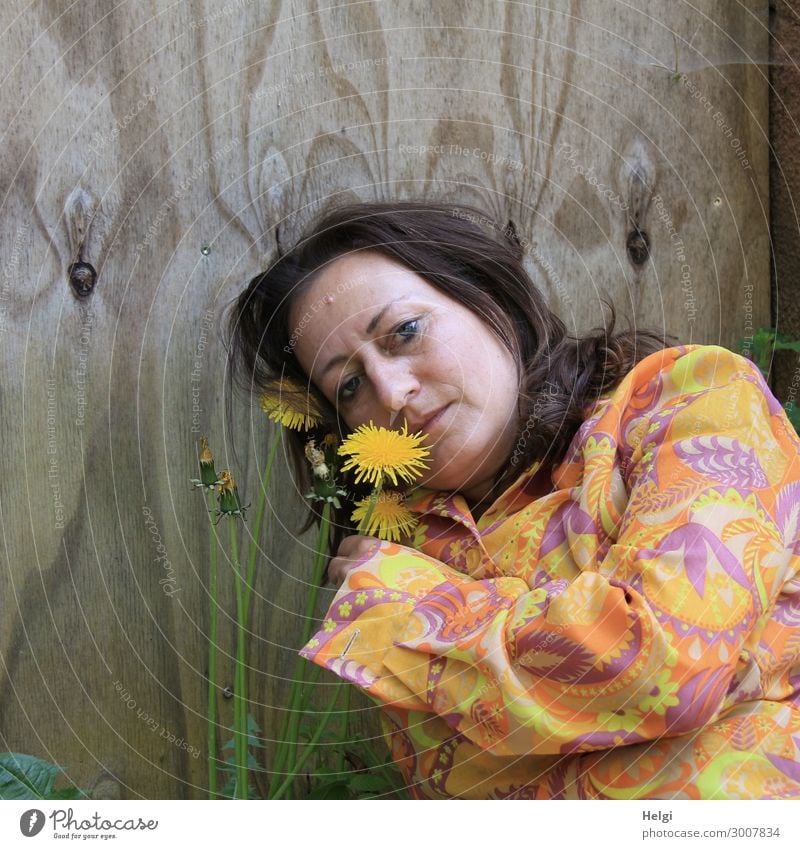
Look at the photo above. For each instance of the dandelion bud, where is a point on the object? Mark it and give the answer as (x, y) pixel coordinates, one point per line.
(229, 503)
(208, 477)
(317, 459)
(324, 463)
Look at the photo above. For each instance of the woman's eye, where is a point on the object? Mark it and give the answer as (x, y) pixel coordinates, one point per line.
(349, 388)
(408, 330)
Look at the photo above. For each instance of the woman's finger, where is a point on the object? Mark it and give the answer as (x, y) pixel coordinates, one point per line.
(356, 545)
(338, 569)
(351, 550)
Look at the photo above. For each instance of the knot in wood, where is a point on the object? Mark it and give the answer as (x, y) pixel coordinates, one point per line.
(82, 279)
(638, 246)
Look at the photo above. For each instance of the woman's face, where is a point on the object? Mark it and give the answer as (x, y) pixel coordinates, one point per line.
(381, 344)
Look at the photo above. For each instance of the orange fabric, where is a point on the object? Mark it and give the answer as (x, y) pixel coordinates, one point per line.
(633, 633)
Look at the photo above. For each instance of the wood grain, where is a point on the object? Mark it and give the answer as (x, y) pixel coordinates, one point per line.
(157, 153)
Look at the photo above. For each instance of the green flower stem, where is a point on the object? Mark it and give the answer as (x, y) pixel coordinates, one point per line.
(260, 510)
(307, 752)
(309, 686)
(765, 355)
(288, 741)
(212, 657)
(317, 572)
(363, 525)
(287, 746)
(240, 677)
(345, 728)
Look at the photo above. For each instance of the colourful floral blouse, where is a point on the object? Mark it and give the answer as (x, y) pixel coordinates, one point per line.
(628, 627)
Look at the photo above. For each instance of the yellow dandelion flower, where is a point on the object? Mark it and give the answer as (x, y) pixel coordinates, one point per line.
(376, 451)
(291, 405)
(390, 519)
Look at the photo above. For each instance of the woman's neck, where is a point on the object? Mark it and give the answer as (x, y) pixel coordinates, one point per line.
(480, 498)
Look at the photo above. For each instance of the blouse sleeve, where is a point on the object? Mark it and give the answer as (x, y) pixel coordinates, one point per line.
(643, 643)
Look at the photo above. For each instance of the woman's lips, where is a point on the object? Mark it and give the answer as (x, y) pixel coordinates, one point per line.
(433, 420)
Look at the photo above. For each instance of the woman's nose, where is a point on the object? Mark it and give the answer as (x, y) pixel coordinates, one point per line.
(394, 386)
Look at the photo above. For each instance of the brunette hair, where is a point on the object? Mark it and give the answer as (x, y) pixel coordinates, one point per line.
(462, 253)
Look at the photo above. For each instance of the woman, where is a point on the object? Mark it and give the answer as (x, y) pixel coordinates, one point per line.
(601, 598)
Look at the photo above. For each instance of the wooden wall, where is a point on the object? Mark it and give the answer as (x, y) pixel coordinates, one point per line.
(784, 179)
(153, 155)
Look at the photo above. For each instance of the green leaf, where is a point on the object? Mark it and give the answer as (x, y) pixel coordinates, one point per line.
(253, 764)
(69, 793)
(786, 345)
(253, 729)
(253, 733)
(366, 783)
(327, 737)
(27, 777)
(228, 790)
(326, 773)
(337, 789)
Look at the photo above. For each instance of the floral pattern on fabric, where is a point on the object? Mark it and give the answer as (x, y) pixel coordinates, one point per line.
(634, 633)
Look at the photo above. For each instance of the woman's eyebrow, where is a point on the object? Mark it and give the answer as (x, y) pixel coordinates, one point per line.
(374, 322)
(376, 319)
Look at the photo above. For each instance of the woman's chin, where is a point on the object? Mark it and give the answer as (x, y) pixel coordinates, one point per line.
(447, 480)
(436, 480)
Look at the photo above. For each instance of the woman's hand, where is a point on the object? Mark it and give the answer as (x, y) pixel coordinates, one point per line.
(351, 551)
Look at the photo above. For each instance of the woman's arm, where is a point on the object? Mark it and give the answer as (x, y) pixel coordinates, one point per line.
(647, 643)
